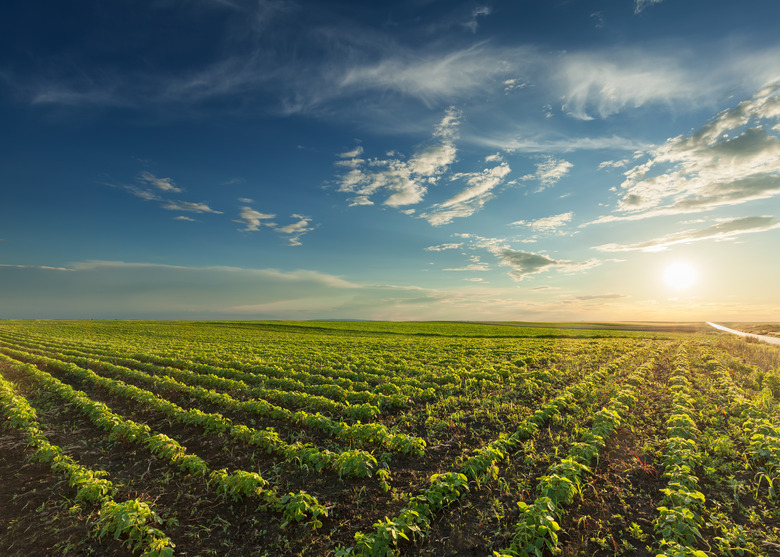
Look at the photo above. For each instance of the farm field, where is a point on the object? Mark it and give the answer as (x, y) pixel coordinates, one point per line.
(377, 438)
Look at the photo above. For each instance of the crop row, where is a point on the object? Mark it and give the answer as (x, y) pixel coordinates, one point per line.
(331, 398)
(355, 462)
(445, 489)
(536, 531)
(134, 520)
(761, 433)
(680, 513)
(377, 387)
(177, 380)
(235, 485)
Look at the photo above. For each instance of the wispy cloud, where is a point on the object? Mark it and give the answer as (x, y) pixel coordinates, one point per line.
(473, 22)
(733, 159)
(162, 184)
(547, 224)
(152, 188)
(592, 297)
(723, 231)
(642, 4)
(549, 172)
(188, 207)
(431, 76)
(443, 247)
(471, 199)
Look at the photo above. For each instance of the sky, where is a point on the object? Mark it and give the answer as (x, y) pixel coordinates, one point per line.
(526, 160)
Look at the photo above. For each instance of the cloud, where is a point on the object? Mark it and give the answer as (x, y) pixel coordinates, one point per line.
(144, 194)
(472, 23)
(513, 85)
(471, 199)
(596, 84)
(360, 200)
(297, 229)
(722, 231)
(405, 182)
(534, 142)
(522, 263)
(642, 4)
(471, 267)
(252, 220)
(162, 184)
(525, 263)
(600, 297)
(549, 172)
(182, 217)
(442, 247)
(733, 159)
(547, 224)
(356, 152)
(188, 207)
(430, 76)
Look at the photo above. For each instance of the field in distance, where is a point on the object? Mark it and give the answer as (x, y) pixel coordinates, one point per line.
(336, 438)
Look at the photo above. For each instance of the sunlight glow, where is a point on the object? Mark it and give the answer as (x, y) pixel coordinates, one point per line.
(680, 276)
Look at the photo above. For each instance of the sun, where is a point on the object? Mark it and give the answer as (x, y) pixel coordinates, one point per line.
(680, 276)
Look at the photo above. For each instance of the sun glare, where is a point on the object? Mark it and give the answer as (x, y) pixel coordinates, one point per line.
(680, 276)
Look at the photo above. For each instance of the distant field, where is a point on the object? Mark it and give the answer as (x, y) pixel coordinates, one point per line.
(335, 438)
(766, 329)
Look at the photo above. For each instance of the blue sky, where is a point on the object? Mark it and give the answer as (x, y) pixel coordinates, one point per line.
(421, 159)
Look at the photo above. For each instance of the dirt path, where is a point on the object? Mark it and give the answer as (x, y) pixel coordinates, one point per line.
(770, 340)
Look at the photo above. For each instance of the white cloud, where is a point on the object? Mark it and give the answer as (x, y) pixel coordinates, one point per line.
(252, 220)
(613, 164)
(723, 231)
(356, 152)
(532, 142)
(429, 75)
(188, 207)
(360, 200)
(471, 199)
(733, 159)
(471, 267)
(297, 229)
(147, 195)
(442, 247)
(182, 217)
(513, 84)
(642, 4)
(472, 23)
(597, 84)
(549, 172)
(547, 224)
(592, 297)
(406, 182)
(479, 183)
(162, 184)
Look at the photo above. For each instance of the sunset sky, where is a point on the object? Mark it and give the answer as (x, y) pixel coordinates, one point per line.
(419, 159)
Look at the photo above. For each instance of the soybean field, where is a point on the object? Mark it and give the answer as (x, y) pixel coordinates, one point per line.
(377, 439)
